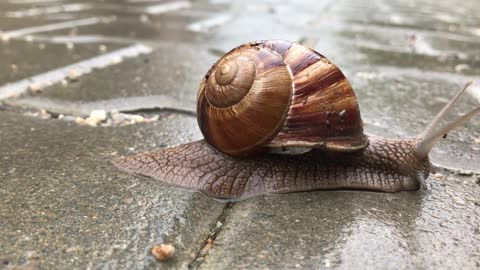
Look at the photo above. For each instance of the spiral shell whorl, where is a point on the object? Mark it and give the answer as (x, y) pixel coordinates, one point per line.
(244, 99)
(231, 79)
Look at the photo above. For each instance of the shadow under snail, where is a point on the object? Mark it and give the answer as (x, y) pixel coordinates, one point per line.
(278, 117)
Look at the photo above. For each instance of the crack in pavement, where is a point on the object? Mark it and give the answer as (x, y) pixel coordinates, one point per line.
(135, 115)
(208, 243)
(114, 112)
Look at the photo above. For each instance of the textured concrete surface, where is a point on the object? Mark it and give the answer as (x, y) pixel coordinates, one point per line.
(350, 230)
(63, 206)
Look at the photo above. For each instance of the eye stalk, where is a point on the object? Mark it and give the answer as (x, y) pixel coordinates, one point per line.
(434, 131)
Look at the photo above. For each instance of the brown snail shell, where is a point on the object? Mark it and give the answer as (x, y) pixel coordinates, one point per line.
(278, 94)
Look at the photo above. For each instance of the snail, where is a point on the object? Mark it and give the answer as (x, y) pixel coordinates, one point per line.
(278, 117)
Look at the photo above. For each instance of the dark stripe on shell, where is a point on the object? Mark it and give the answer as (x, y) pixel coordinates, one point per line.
(324, 108)
(322, 81)
(300, 58)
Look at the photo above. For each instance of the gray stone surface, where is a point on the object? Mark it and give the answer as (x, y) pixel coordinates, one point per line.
(174, 72)
(435, 229)
(47, 57)
(63, 206)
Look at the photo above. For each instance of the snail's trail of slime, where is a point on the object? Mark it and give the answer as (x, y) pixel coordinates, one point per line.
(80, 68)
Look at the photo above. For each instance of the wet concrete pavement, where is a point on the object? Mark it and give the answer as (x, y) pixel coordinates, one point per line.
(64, 206)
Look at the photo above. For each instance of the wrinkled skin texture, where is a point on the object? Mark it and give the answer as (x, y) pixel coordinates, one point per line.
(387, 165)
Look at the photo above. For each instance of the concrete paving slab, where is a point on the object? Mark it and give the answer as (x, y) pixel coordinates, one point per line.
(174, 70)
(436, 229)
(9, 24)
(74, 211)
(64, 206)
(21, 59)
(145, 21)
(416, 101)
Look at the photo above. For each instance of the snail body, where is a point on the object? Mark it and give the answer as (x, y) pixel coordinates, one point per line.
(270, 97)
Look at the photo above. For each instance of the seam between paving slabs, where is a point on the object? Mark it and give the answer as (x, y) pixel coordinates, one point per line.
(212, 235)
(134, 115)
(183, 111)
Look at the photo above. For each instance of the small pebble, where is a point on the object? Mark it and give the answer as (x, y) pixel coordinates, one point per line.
(80, 121)
(73, 75)
(96, 117)
(35, 88)
(99, 114)
(93, 122)
(44, 114)
(461, 67)
(102, 48)
(439, 176)
(163, 252)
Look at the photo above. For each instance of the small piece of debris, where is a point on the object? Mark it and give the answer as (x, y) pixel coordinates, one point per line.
(207, 247)
(439, 176)
(462, 67)
(477, 140)
(101, 115)
(102, 48)
(32, 255)
(80, 121)
(96, 117)
(35, 88)
(73, 75)
(163, 252)
(123, 119)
